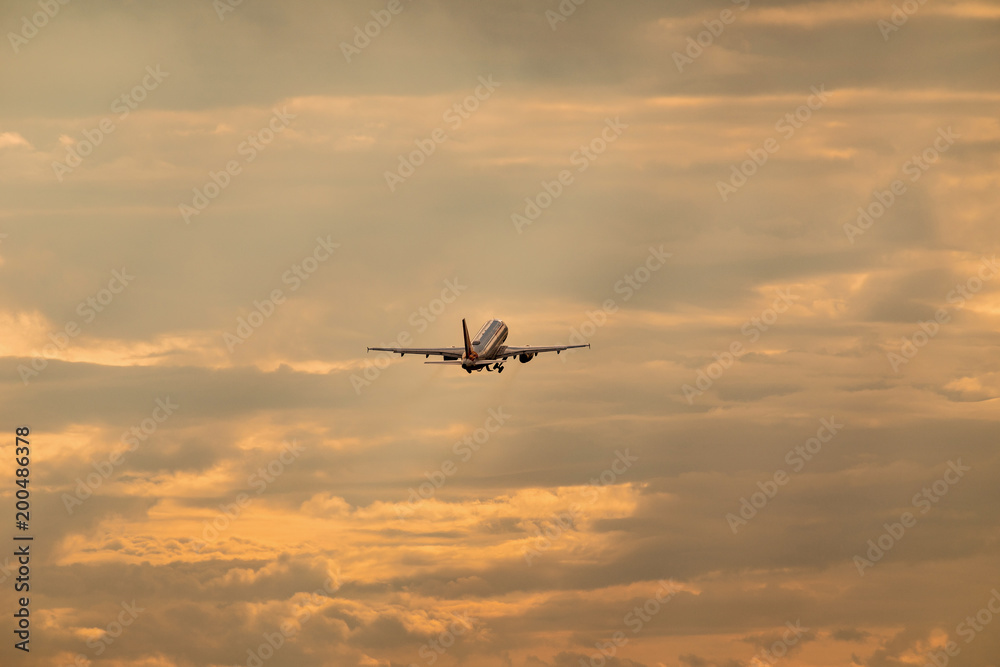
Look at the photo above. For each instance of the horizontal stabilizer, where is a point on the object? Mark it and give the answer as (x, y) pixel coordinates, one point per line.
(475, 364)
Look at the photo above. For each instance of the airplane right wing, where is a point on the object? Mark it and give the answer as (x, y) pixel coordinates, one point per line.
(508, 351)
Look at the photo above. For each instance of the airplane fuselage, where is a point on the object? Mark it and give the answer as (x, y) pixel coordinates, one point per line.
(490, 339)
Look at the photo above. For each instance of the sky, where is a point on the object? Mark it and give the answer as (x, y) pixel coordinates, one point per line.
(773, 222)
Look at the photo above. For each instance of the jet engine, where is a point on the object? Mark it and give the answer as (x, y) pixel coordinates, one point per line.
(525, 358)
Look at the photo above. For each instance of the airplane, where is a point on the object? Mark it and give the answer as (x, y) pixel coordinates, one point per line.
(485, 350)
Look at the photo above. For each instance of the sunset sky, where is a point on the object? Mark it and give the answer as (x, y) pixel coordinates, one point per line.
(774, 222)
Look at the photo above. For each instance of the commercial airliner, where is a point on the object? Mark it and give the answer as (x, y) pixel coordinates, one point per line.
(486, 350)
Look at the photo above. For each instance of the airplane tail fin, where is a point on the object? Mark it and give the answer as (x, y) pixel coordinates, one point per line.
(469, 354)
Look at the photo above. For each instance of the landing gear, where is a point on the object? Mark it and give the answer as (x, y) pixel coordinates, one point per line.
(498, 367)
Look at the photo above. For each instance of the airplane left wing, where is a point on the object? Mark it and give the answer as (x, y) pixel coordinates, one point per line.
(508, 351)
(446, 352)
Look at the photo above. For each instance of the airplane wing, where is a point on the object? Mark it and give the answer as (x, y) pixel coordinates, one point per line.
(508, 351)
(446, 352)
